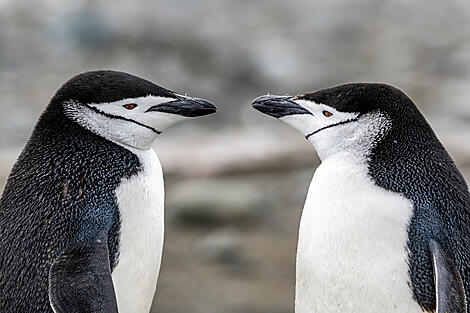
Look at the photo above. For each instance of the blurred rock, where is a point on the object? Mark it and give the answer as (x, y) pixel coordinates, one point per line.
(214, 203)
(235, 152)
(223, 247)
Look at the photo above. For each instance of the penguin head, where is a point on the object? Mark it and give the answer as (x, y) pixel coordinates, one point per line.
(352, 117)
(124, 108)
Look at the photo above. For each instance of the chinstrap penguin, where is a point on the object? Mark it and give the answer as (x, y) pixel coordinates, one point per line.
(81, 215)
(386, 222)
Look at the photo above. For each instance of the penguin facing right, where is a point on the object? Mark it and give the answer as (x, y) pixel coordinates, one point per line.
(81, 215)
(386, 222)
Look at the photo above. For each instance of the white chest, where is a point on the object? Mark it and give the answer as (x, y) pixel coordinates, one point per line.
(140, 199)
(351, 253)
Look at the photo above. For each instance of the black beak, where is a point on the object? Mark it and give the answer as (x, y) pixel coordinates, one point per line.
(185, 106)
(278, 106)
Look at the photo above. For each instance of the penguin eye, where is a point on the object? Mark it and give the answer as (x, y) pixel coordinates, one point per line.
(327, 113)
(129, 106)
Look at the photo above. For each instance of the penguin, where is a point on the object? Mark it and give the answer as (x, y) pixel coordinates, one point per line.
(82, 215)
(386, 221)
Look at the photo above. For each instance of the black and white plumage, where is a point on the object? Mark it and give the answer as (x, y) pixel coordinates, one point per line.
(386, 222)
(81, 215)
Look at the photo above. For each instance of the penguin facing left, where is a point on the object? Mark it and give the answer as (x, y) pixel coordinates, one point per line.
(81, 215)
(386, 222)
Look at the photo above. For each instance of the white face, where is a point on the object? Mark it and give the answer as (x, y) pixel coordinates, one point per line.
(127, 122)
(331, 131)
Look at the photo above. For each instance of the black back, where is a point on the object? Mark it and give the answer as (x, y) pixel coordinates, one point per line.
(60, 193)
(410, 160)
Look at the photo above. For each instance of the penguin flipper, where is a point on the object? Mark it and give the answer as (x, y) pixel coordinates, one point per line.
(80, 280)
(450, 292)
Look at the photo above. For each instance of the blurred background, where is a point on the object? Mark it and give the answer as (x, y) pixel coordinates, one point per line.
(236, 181)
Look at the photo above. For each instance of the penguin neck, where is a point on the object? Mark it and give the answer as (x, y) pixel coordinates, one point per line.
(356, 139)
(355, 155)
(135, 150)
(115, 130)
(58, 131)
(411, 153)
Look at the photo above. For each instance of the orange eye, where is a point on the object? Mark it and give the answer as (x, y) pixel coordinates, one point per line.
(327, 114)
(129, 106)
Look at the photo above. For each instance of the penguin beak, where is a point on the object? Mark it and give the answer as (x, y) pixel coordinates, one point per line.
(185, 106)
(278, 106)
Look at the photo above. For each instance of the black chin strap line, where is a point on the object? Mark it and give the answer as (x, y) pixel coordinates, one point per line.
(122, 118)
(333, 125)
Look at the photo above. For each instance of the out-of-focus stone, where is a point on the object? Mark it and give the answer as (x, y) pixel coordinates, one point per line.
(236, 151)
(223, 247)
(214, 203)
